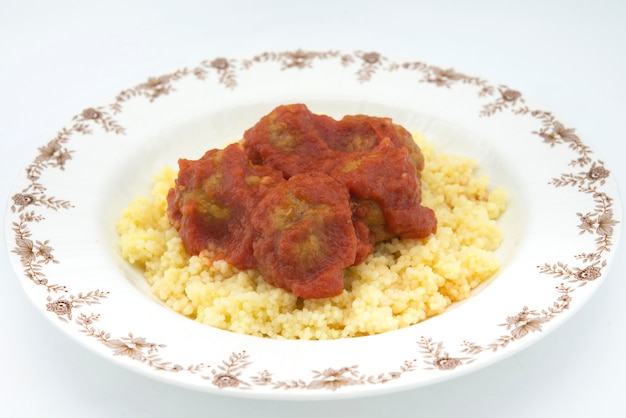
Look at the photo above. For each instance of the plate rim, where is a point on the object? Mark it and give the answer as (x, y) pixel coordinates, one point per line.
(335, 383)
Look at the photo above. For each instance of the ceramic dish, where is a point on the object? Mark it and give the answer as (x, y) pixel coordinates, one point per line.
(560, 228)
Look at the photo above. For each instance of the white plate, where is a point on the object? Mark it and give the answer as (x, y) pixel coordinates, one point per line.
(560, 227)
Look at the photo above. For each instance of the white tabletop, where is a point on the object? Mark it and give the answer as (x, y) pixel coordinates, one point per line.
(58, 57)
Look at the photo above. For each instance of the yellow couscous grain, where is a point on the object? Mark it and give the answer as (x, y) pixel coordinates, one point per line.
(402, 283)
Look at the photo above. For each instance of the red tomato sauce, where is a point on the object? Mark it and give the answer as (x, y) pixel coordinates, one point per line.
(302, 197)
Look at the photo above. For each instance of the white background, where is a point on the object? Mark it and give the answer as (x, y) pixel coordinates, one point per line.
(59, 57)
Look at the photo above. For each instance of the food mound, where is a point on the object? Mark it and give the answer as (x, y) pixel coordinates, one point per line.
(302, 197)
(403, 281)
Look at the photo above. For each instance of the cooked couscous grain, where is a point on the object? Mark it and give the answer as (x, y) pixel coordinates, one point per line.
(402, 283)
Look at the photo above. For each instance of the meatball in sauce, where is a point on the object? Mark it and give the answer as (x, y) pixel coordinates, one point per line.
(302, 197)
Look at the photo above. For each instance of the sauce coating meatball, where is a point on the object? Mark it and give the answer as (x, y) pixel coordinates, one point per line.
(212, 202)
(302, 197)
(305, 236)
(377, 160)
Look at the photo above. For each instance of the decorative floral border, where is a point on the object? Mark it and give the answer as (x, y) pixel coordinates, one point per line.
(587, 176)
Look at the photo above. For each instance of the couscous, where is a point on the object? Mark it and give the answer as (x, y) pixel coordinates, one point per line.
(400, 284)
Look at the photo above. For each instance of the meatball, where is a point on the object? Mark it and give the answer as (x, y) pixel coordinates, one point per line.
(212, 200)
(377, 160)
(305, 235)
(294, 140)
(287, 139)
(386, 192)
(361, 132)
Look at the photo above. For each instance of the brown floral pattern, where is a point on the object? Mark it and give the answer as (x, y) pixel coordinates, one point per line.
(333, 379)
(295, 59)
(597, 173)
(508, 99)
(579, 275)
(238, 371)
(135, 348)
(443, 77)
(151, 89)
(64, 305)
(435, 358)
(525, 322)
(228, 374)
(370, 63)
(226, 70)
(88, 117)
(33, 254)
